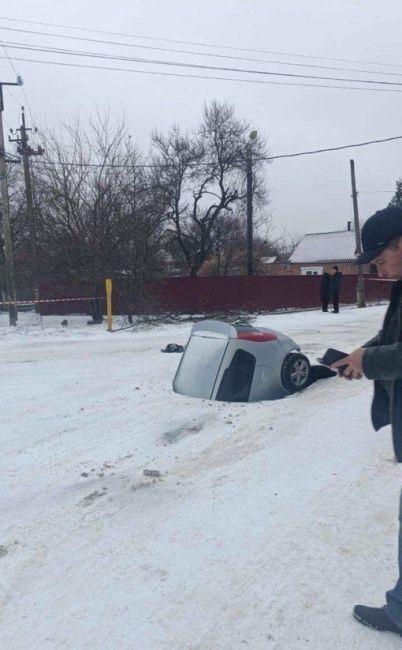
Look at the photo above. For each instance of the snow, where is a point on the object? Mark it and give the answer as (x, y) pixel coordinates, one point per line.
(268, 523)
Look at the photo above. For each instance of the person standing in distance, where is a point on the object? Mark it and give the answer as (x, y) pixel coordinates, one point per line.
(335, 288)
(325, 290)
(380, 359)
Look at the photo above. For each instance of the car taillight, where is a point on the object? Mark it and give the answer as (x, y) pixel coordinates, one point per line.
(256, 336)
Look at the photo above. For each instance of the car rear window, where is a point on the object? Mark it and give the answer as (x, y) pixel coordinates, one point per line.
(200, 365)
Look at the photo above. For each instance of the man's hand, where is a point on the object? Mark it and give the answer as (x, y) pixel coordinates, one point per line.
(354, 363)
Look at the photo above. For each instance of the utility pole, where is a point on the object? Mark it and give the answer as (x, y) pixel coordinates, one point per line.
(5, 213)
(249, 172)
(26, 151)
(360, 293)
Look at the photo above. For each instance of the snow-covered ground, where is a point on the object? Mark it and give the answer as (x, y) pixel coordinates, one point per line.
(268, 523)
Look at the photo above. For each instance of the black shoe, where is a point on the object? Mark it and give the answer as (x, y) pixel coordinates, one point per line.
(376, 618)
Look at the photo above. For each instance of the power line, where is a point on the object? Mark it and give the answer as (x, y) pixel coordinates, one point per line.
(345, 146)
(9, 60)
(196, 66)
(10, 92)
(257, 159)
(194, 53)
(16, 74)
(7, 124)
(199, 44)
(190, 76)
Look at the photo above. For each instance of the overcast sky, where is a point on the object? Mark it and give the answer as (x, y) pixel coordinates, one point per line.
(308, 194)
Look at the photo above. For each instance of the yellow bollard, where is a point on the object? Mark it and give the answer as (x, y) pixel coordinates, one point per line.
(108, 285)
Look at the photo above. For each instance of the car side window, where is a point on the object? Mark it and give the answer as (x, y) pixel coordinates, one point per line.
(237, 378)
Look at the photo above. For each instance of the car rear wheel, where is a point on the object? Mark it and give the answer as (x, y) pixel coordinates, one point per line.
(295, 372)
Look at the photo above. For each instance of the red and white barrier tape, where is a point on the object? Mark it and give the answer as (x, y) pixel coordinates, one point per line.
(35, 302)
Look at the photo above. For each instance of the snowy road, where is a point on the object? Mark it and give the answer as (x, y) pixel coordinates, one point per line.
(269, 522)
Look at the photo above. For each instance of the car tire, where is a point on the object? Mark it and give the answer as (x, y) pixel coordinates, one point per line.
(295, 373)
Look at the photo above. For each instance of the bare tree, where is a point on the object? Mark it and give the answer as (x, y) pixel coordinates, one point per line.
(230, 252)
(287, 244)
(97, 211)
(201, 176)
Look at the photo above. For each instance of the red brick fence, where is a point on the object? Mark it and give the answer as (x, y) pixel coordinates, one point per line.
(221, 294)
(256, 293)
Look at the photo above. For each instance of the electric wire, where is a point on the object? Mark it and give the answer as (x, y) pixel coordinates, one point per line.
(197, 43)
(16, 74)
(256, 158)
(340, 148)
(10, 92)
(196, 66)
(7, 124)
(209, 77)
(193, 53)
(8, 58)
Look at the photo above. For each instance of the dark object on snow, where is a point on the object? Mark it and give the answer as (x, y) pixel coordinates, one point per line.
(3, 550)
(376, 618)
(151, 472)
(320, 372)
(173, 347)
(64, 322)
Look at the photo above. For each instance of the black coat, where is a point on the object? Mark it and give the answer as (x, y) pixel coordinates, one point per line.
(325, 287)
(336, 282)
(382, 361)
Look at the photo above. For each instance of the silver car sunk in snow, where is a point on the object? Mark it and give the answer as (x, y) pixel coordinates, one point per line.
(240, 363)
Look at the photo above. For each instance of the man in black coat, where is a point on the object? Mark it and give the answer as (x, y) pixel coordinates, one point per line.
(380, 359)
(335, 288)
(325, 290)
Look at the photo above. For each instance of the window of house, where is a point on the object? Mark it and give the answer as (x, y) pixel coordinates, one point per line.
(312, 270)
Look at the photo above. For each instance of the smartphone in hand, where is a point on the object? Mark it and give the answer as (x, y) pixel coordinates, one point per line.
(332, 355)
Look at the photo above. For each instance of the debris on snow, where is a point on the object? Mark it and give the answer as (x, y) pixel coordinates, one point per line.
(151, 472)
(3, 550)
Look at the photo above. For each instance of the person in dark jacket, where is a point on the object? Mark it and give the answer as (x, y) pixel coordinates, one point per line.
(380, 359)
(325, 292)
(335, 288)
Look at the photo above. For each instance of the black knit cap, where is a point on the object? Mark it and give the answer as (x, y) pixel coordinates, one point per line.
(379, 231)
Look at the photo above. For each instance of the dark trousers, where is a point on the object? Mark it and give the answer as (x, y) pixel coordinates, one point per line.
(394, 597)
(325, 304)
(335, 302)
